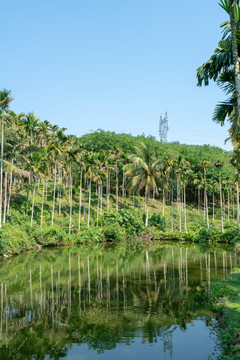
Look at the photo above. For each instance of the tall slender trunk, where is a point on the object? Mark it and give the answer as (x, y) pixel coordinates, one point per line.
(206, 199)
(1, 179)
(204, 206)
(10, 191)
(60, 191)
(235, 53)
(89, 202)
(138, 203)
(5, 197)
(54, 190)
(84, 197)
(185, 212)
(172, 207)
(101, 197)
(80, 203)
(123, 191)
(116, 191)
(153, 195)
(98, 201)
(179, 206)
(163, 203)
(232, 193)
(221, 202)
(238, 215)
(198, 199)
(228, 203)
(109, 189)
(28, 188)
(34, 187)
(213, 207)
(147, 208)
(70, 201)
(42, 203)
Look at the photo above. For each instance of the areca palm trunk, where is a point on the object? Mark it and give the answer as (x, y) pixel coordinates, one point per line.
(34, 187)
(5, 197)
(163, 209)
(1, 175)
(138, 203)
(235, 53)
(80, 203)
(147, 207)
(153, 195)
(238, 216)
(198, 199)
(204, 206)
(43, 194)
(10, 191)
(60, 191)
(179, 204)
(224, 207)
(205, 194)
(84, 200)
(54, 190)
(213, 207)
(116, 191)
(123, 190)
(221, 202)
(172, 207)
(109, 187)
(228, 203)
(98, 201)
(89, 202)
(70, 201)
(28, 188)
(232, 196)
(185, 212)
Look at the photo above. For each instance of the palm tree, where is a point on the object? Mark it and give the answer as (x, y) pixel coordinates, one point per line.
(5, 99)
(35, 164)
(223, 67)
(30, 123)
(213, 187)
(234, 17)
(143, 172)
(219, 166)
(205, 164)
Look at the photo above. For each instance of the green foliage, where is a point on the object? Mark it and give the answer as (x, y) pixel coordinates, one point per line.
(14, 239)
(113, 232)
(225, 300)
(157, 220)
(131, 222)
(126, 224)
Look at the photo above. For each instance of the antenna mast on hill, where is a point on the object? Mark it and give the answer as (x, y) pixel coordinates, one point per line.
(163, 127)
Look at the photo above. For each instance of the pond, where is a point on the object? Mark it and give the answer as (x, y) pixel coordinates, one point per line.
(110, 301)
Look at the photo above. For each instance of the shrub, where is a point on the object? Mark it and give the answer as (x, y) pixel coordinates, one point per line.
(113, 232)
(131, 222)
(14, 239)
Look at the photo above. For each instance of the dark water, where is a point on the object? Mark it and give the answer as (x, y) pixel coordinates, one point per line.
(111, 302)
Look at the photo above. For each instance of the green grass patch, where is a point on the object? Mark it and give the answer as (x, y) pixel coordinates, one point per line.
(225, 300)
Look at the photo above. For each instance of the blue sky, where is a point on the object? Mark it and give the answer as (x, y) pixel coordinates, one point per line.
(115, 65)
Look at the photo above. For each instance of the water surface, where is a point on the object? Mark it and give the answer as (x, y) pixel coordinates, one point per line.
(111, 301)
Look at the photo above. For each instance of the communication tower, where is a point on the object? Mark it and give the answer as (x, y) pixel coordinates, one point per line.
(163, 127)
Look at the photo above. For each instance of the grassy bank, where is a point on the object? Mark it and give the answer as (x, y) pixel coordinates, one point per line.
(165, 222)
(17, 235)
(225, 300)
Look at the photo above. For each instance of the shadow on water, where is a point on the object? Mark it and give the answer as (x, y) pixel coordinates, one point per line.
(134, 300)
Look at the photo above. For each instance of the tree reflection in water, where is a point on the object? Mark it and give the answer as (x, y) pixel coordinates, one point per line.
(103, 296)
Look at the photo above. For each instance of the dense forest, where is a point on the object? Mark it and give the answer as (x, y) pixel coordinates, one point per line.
(49, 178)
